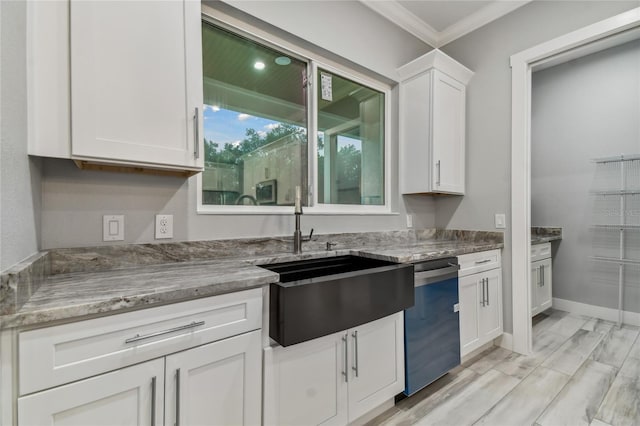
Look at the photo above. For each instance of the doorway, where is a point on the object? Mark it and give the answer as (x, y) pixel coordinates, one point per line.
(599, 36)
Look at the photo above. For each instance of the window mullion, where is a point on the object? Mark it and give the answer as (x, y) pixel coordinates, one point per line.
(312, 126)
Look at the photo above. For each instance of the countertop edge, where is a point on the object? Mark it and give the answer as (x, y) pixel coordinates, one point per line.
(122, 304)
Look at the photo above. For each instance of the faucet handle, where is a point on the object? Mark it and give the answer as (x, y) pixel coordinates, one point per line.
(309, 237)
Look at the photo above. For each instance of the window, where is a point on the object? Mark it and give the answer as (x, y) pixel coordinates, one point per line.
(350, 142)
(258, 141)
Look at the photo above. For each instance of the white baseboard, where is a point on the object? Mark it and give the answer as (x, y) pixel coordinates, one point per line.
(504, 341)
(609, 314)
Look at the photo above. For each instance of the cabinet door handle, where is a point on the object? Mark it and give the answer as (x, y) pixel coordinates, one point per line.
(483, 296)
(346, 359)
(196, 134)
(438, 172)
(355, 351)
(487, 284)
(153, 401)
(539, 276)
(177, 423)
(138, 337)
(542, 275)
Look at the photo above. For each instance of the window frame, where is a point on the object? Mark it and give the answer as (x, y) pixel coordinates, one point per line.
(314, 62)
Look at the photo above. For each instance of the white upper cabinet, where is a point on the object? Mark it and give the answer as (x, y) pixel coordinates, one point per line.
(135, 84)
(432, 125)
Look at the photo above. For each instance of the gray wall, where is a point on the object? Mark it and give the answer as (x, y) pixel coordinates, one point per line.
(487, 51)
(585, 109)
(19, 176)
(74, 201)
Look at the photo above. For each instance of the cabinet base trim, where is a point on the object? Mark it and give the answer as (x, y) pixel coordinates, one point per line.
(608, 314)
(366, 418)
(474, 353)
(122, 168)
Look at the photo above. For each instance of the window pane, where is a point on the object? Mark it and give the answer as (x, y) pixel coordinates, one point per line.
(350, 142)
(255, 122)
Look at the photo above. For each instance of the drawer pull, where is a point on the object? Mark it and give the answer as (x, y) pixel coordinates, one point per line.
(138, 337)
(480, 262)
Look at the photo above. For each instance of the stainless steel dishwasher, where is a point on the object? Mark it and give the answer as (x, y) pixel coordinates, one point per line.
(432, 325)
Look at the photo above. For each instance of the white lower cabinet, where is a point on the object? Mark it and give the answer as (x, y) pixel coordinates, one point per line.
(216, 384)
(194, 363)
(480, 296)
(128, 397)
(541, 278)
(335, 379)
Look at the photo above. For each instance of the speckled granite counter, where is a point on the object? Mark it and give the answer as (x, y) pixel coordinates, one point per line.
(67, 284)
(547, 234)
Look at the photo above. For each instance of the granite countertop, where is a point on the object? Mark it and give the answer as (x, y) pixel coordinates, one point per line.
(73, 284)
(545, 234)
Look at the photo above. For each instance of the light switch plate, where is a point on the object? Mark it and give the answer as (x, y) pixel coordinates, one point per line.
(501, 221)
(164, 226)
(113, 227)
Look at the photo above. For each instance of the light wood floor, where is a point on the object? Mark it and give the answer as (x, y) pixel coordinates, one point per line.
(583, 371)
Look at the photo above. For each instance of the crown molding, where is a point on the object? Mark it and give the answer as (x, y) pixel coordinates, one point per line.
(406, 20)
(478, 19)
(394, 12)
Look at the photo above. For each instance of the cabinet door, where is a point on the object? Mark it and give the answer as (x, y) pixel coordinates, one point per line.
(470, 293)
(491, 312)
(543, 290)
(448, 134)
(137, 81)
(305, 384)
(216, 384)
(415, 123)
(377, 364)
(127, 397)
(535, 285)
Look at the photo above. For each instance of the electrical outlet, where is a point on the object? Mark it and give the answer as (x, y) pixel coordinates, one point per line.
(113, 227)
(501, 221)
(409, 221)
(164, 226)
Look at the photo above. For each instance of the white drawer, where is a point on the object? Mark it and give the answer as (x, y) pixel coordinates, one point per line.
(60, 354)
(540, 251)
(479, 262)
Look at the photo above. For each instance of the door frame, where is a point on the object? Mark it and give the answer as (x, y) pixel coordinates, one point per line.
(590, 39)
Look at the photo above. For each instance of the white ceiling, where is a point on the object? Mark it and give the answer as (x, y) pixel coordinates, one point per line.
(438, 22)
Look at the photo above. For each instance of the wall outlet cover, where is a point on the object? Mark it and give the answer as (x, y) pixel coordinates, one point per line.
(501, 221)
(113, 227)
(409, 221)
(164, 226)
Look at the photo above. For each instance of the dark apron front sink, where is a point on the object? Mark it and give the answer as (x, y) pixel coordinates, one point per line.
(317, 297)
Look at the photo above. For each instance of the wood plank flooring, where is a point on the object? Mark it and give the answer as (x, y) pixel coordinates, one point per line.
(583, 371)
